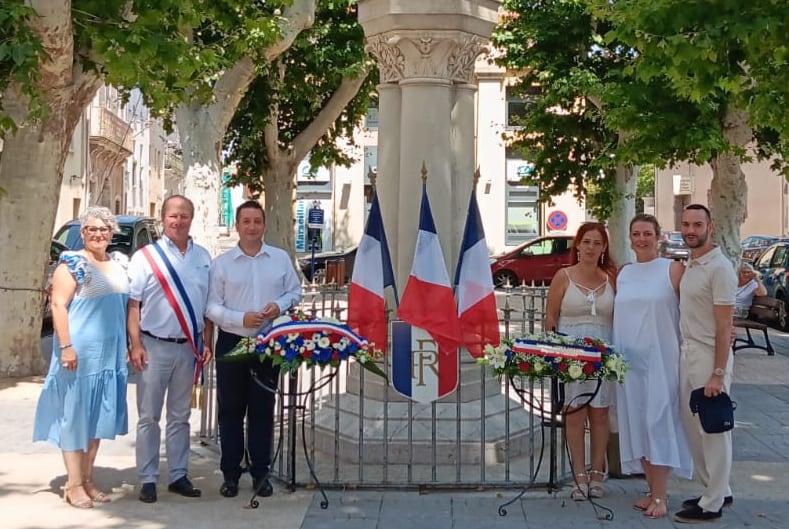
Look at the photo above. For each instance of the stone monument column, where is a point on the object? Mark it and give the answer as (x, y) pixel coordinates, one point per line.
(426, 51)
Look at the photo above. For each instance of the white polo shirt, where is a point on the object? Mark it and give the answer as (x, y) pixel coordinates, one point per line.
(241, 283)
(193, 268)
(708, 281)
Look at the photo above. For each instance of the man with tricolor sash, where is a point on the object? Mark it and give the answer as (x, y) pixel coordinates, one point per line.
(170, 340)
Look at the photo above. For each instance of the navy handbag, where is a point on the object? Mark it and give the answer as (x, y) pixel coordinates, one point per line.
(716, 414)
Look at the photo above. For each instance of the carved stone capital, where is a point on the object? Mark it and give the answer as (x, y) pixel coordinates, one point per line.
(437, 55)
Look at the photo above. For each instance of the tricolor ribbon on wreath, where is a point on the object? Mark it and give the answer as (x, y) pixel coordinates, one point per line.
(176, 295)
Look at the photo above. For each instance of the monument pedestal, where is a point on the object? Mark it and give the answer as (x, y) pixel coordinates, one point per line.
(471, 425)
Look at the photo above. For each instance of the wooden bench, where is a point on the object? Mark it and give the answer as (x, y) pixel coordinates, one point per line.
(762, 308)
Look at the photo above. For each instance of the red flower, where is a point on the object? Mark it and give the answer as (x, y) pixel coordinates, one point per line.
(306, 354)
(588, 368)
(335, 355)
(588, 341)
(525, 367)
(601, 347)
(563, 366)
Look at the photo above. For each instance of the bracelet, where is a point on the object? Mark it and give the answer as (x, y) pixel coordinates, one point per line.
(67, 346)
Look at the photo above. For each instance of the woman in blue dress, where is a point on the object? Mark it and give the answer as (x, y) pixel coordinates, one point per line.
(83, 398)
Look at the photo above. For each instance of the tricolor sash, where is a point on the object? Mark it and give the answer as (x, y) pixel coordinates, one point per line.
(176, 295)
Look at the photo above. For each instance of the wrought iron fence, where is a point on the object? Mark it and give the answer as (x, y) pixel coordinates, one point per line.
(348, 428)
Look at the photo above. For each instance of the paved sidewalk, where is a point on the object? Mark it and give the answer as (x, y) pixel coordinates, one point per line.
(31, 476)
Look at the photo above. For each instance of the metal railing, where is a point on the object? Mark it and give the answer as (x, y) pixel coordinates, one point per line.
(359, 432)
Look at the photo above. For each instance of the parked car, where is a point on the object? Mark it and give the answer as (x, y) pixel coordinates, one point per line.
(773, 265)
(535, 261)
(135, 232)
(336, 266)
(55, 249)
(672, 246)
(755, 245)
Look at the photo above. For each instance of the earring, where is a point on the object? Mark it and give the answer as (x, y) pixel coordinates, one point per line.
(579, 255)
(602, 259)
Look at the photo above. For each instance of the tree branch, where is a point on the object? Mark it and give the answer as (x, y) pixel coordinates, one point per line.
(305, 141)
(297, 17)
(230, 89)
(271, 130)
(53, 26)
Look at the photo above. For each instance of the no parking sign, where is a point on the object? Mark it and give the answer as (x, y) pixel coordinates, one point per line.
(557, 220)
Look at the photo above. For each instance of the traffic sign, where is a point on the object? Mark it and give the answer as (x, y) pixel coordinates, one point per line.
(557, 220)
(315, 218)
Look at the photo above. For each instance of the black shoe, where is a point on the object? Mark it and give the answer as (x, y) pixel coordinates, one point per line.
(692, 502)
(696, 514)
(262, 488)
(229, 489)
(184, 487)
(148, 493)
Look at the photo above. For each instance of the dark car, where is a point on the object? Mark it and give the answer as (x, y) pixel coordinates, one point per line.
(135, 232)
(672, 246)
(755, 245)
(535, 261)
(55, 249)
(773, 265)
(336, 266)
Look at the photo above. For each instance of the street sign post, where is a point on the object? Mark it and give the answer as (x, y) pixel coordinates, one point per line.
(314, 227)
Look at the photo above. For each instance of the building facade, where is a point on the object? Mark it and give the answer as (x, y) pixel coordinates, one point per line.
(767, 209)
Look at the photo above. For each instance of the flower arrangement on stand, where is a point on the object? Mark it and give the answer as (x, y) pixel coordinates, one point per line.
(301, 339)
(569, 358)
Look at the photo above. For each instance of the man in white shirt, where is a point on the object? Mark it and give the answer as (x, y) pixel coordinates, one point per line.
(251, 285)
(160, 349)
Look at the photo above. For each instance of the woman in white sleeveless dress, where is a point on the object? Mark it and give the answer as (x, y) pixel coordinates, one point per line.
(581, 303)
(646, 332)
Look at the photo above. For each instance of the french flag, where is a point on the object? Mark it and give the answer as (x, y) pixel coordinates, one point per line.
(479, 319)
(428, 301)
(372, 273)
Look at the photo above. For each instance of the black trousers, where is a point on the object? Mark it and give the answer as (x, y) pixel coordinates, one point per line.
(239, 397)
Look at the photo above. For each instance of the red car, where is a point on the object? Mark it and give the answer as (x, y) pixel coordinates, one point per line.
(535, 261)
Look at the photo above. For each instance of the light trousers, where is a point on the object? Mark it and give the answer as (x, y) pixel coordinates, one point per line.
(712, 453)
(168, 374)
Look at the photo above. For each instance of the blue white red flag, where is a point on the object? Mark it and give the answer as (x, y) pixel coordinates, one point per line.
(428, 301)
(418, 371)
(479, 319)
(372, 273)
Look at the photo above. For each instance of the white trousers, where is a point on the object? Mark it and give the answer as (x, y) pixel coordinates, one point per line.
(711, 452)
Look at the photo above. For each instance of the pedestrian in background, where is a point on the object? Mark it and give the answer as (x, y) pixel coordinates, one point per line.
(706, 303)
(646, 332)
(251, 284)
(84, 395)
(581, 303)
(749, 284)
(169, 344)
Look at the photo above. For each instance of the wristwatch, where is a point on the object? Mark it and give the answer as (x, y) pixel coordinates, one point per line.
(718, 372)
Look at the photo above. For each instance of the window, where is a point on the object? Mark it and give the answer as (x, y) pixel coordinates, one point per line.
(519, 104)
(523, 214)
(371, 118)
(779, 260)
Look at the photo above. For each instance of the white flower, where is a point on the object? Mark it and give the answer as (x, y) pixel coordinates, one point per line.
(575, 371)
(310, 345)
(292, 337)
(324, 342)
(538, 366)
(496, 356)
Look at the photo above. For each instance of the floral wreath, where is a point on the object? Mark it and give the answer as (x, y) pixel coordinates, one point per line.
(568, 358)
(303, 339)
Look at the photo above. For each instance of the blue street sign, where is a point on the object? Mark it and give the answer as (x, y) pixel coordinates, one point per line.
(315, 218)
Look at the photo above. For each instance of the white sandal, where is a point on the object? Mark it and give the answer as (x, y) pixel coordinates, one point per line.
(581, 490)
(596, 487)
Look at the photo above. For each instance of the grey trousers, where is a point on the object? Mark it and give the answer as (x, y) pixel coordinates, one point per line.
(169, 374)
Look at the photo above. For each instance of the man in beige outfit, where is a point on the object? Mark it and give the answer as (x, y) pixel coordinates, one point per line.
(706, 304)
